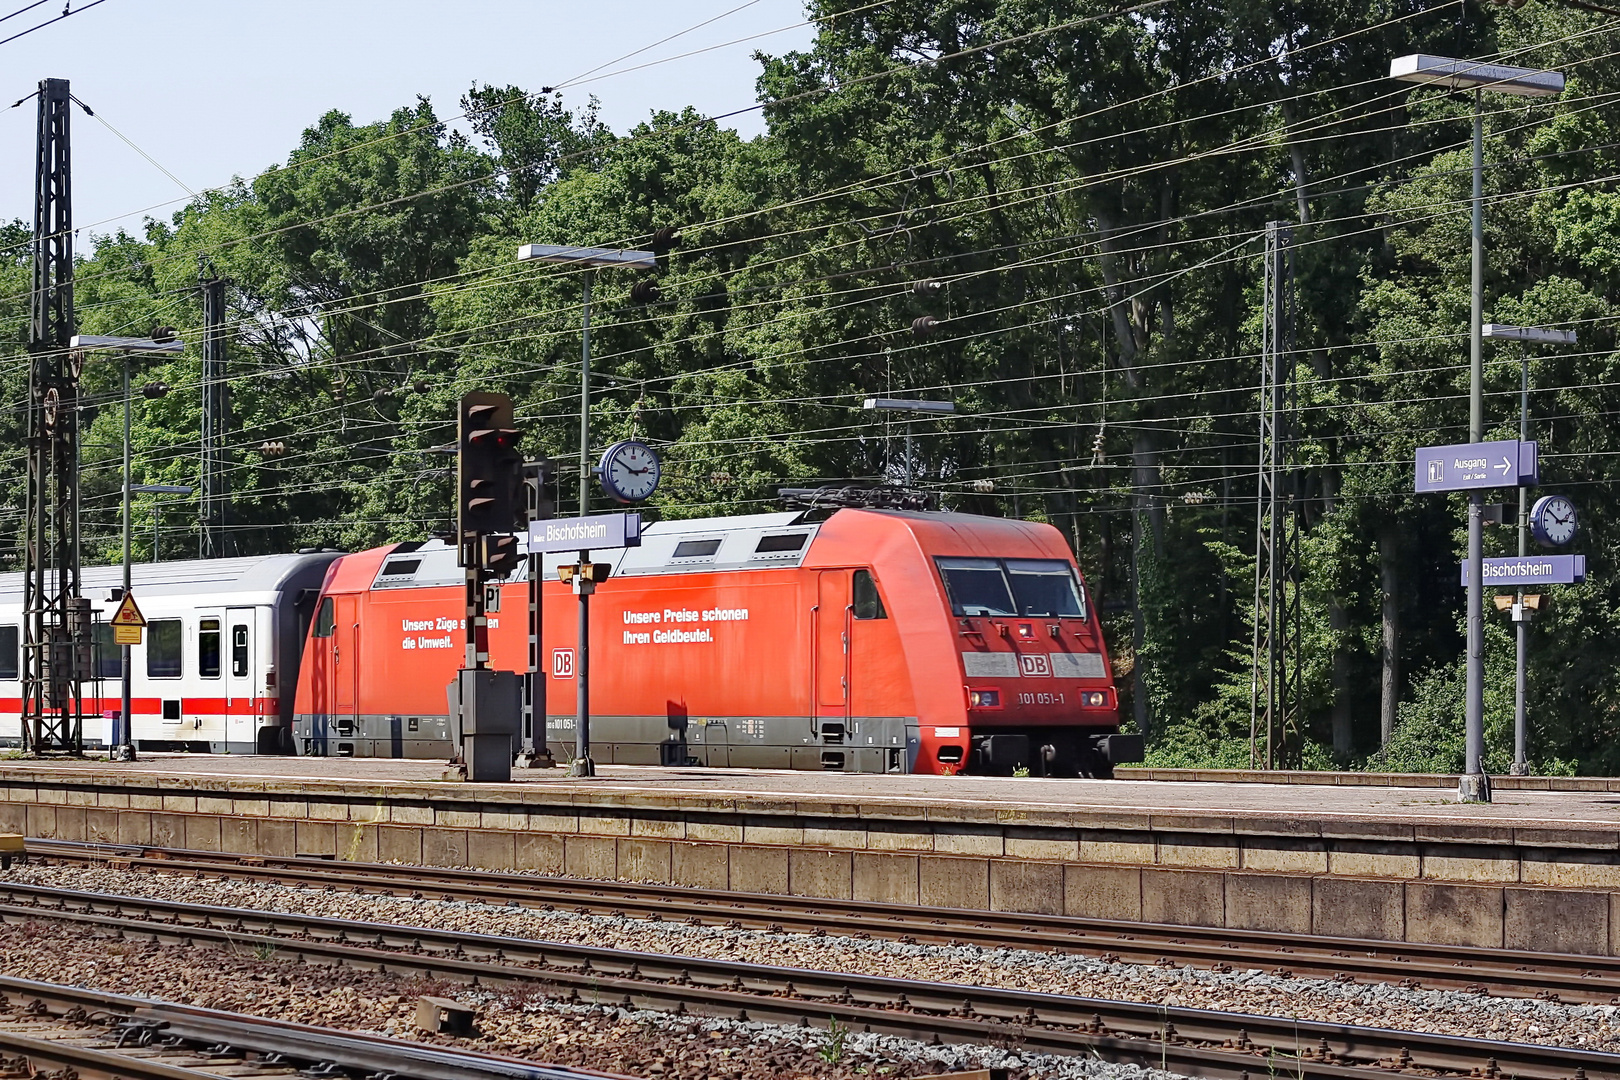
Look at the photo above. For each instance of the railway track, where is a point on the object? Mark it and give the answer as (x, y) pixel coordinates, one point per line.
(1503, 972)
(68, 1031)
(1196, 1042)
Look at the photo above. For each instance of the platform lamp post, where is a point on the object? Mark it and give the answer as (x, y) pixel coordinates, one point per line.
(157, 506)
(909, 405)
(162, 341)
(589, 260)
(1521, 617)
(1474, 785)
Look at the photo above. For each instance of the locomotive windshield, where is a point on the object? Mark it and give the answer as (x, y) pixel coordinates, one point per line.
(976, 586)
(1044, 587)
(1011, 587)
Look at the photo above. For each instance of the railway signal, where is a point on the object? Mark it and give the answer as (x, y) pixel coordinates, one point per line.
(499, 554)
(489, 469)
(539, 481)
(492, 503)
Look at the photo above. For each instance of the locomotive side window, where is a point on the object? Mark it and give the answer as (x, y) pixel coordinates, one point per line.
(109, 657)
(976, 586)
(239, 652)
(867, 603)
(163, 649)
(208, 648)
(9, 662)
(1045, 587)
(780, 542)
(325, 620)
(695, 549)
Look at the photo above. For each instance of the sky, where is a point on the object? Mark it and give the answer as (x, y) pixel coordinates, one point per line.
(215, 90)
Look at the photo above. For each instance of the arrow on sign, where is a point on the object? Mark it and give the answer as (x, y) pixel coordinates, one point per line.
(1504, 467)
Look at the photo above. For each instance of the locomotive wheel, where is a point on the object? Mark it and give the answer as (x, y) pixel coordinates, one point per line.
(1094, 766)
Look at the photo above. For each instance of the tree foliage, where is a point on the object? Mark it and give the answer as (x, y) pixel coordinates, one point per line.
(1076, 197)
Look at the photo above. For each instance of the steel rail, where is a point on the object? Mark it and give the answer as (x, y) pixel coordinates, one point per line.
(74, 1059)
(277, 1044)
(1504, 972)
(1198, 1042)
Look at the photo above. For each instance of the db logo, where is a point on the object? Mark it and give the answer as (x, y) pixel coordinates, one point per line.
(562, 663)
(1035, 665)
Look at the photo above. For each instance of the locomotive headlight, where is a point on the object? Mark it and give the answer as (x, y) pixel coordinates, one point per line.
(984, 699)
(1094, 699)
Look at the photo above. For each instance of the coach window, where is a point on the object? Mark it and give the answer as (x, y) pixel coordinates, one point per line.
(109, 656)
(239, 652)
(324, 619)
(9, 664)
(868, 604)
(163, 649)
(208, 648)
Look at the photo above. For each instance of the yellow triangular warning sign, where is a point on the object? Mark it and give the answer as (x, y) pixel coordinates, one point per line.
(128, 614)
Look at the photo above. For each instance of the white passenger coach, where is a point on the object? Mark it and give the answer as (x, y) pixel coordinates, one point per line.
(218, 666)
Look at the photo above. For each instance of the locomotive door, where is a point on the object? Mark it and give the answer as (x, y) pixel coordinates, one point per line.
(345, 664)
(241, 710)
(832, 644)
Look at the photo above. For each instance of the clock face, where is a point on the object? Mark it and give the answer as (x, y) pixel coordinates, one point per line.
(1552, 521)
(630, 471)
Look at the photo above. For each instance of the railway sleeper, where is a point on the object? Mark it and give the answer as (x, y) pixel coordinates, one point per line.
(865, 1007)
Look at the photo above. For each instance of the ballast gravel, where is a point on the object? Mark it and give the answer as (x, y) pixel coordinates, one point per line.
(1450, 1012)
(518, 1023)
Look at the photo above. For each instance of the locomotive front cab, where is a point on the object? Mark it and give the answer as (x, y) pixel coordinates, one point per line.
(1038, 692)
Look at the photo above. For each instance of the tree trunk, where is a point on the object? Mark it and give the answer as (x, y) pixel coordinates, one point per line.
(1389, 575)
(1139, 707)
(1343, 732)
(1296, 155)
(1146, 509)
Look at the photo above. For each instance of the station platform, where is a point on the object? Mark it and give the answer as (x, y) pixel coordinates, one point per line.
(1537, 868)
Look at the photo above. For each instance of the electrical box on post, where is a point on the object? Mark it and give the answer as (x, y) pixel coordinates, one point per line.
(486, 709)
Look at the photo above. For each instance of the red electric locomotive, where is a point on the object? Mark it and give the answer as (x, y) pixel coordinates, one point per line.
(871, 641)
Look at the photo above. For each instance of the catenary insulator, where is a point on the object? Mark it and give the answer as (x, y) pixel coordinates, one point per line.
(664, 238)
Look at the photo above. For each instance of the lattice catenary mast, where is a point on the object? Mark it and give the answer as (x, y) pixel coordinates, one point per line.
(56, 619)
(216, 496)
(1276, 697)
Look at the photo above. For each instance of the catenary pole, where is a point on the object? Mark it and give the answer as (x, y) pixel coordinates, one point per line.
(582, 765)
(126, 729)
(1521, 625)
(1474, 786)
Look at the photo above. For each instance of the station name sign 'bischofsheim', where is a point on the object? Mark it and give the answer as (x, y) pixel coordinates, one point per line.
(585, 533)
(1531, 570)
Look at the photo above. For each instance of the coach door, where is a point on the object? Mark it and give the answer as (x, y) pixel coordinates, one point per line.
(241, 708)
